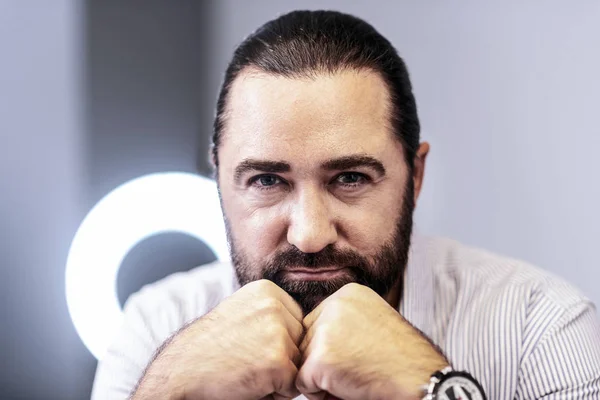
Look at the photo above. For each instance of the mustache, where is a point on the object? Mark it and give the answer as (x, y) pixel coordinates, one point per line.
(329, 256)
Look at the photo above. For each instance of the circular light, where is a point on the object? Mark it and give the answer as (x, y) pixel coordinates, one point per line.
(136, 210)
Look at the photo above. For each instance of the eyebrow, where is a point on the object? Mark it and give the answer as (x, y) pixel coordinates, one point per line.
(335, 164)
(355, 161)
(273, 167)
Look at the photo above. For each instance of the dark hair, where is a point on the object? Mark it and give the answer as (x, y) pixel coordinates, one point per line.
(306, 43)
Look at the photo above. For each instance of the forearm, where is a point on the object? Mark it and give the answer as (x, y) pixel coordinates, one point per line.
(159, 381)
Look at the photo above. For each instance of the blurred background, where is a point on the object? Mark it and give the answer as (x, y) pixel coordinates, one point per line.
(94, 94)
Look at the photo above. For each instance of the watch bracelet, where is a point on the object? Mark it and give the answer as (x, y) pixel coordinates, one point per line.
(434, 380)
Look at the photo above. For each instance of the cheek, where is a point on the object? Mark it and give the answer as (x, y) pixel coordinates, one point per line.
(257, 232)
(373, 224)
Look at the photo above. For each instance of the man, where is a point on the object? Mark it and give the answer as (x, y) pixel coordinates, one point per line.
(319, 167)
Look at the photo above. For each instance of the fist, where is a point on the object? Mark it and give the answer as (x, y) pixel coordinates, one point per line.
(245, 348)
(357, 346)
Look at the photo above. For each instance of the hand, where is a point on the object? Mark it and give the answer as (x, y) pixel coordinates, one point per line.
(358, 347)
(245, 348)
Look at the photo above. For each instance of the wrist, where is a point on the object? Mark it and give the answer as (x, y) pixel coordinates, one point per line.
(413, 385)
(449, 382)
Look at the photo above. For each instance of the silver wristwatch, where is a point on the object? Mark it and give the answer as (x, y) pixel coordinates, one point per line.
(448, 384)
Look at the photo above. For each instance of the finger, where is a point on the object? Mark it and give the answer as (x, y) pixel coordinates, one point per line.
(307, 339)
(265, 288)
(293, 352)
(289, 303)
(285, 386)
(307, 351)
(310, 319)
(346, 291)
(308, 383)
(306, 379)
(293, 326)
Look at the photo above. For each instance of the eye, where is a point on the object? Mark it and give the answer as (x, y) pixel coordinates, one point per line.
(351, 179)
(265, 181)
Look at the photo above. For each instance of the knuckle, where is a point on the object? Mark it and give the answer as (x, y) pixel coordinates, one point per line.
(319, 368)
(324, 351)
(352, 287)
(322, 362)
(262, 285)
(270, 305)
(276, 360)
(275, 332)
(321, 332)
(252, 378)
(338, 306)
(322, 354)
(255, 288)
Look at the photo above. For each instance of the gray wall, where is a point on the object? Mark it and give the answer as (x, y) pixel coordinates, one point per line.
(93, 96)
(149, 109)
(41, 160)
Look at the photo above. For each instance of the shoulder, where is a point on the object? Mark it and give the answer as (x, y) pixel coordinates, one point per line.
(478, 272)
(497, 316)
(151, 316)
(187, 295)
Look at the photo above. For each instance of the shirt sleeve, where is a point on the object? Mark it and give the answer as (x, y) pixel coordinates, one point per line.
(126, 359)
(565, 364)
(151, 316)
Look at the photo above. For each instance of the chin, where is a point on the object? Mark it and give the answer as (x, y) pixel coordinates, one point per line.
(309, 303)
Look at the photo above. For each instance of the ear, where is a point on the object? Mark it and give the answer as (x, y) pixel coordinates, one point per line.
(212, 161)
(419, 169)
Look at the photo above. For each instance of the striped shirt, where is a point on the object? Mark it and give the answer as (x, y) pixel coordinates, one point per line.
(521, 332)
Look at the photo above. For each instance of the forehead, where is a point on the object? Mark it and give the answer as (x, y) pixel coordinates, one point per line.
(326, 115)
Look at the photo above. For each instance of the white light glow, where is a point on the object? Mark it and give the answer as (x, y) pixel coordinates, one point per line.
(136, 210)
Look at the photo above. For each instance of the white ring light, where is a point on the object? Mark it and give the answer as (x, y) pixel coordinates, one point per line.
(136, 210)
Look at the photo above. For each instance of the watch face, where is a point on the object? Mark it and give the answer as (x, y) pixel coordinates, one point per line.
(459, 388)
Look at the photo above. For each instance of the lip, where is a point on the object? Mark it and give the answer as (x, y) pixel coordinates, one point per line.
(313, 270)
(314, 274)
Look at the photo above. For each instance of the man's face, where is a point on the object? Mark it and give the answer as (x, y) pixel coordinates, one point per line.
(314, 186)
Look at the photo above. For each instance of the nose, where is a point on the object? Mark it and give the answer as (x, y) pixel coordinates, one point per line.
(311, 226)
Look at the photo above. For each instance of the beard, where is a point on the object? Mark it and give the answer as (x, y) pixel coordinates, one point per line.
(381, 272)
